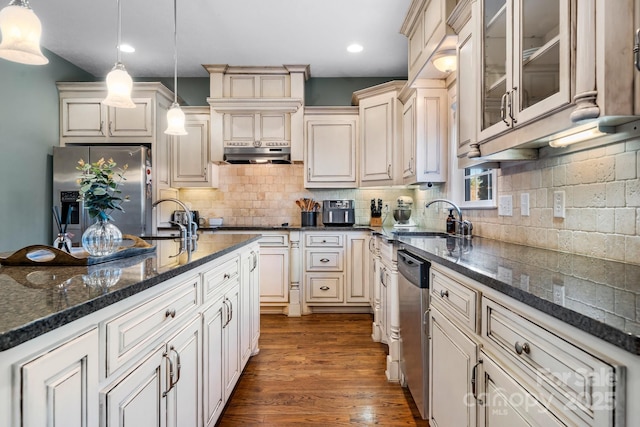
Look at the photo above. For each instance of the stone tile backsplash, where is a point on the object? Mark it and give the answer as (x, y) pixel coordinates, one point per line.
(602, 189)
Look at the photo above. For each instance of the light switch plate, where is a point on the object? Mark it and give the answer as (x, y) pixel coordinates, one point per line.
(524, 204)
(505, 205)
(558, 204)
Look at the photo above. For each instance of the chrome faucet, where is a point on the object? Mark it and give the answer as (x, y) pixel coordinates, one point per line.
(189, 233)
(464, 226)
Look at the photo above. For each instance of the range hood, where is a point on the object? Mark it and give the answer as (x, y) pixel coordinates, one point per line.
(257, 155)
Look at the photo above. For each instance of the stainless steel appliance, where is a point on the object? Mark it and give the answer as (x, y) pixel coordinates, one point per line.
(257, 155)
(413, 292)
(136, 218)
(338, 212)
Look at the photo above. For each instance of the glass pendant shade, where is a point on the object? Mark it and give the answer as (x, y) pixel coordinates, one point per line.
(119, 86)
(175, 121)
(445, 61)
(21, 31)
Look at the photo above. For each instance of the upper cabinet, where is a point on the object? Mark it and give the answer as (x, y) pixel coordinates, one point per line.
(424, 132)
(540, 70)
(190, 166)
(428, 34)
(84, 119)
(524, 57)
(380, 134)
(331, 147)
(257, 106)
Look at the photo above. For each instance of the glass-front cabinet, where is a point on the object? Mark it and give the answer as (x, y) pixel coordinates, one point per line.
(525, 61)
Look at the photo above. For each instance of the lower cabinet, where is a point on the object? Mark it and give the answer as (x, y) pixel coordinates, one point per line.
(60, 387)
(163, 389)
(496, 362)
(453, 360)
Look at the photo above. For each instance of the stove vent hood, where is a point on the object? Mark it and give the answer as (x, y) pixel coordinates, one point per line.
(257, 155)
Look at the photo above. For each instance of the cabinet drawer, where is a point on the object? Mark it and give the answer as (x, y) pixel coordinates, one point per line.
(324, 240)
(128, 333)
(386, 251)
(218, 276)
(556, 368)
(274, 240)
(457, 300)
(324, 260)
(324, 288)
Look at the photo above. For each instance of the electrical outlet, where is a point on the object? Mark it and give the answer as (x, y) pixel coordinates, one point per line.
(558, 204)
(386, 208)
(505, 205)
(524, 204)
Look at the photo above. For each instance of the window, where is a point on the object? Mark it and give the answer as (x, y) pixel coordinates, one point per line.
(478, 184)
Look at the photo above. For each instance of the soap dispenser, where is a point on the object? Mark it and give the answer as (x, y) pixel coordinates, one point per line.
(451, 224)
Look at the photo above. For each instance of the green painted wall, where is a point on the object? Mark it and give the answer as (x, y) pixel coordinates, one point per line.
(28, 131)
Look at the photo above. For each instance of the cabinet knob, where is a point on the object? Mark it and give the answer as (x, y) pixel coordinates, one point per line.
(444, 294)
(170, 313)
(324, 288)
(522, 348)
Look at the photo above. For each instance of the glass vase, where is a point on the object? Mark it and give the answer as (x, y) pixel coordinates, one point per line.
(102, 238)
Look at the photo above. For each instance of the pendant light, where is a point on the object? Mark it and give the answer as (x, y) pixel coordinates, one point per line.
(21, 31)
(175, 115)
(119, 83)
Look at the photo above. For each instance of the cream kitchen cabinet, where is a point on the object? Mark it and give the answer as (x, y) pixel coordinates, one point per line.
(380, 134)
(524, 61)
(389, 319)
(190, 165)
(331, 147)
(274, 269)
(59, 388)
(504, 362)
(424, 132)
(164, 388)
(257, 105)
(453, 364)
(249, 303)
(335, 271)
(427, 32)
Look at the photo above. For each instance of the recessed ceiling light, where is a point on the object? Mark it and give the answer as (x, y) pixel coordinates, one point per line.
(355, 48)
(127, 48)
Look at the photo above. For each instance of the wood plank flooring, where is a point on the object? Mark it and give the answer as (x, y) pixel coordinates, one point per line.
(319, 370)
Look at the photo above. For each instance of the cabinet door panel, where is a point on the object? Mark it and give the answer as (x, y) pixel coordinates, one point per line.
(377, 139)
(331, 151)
(231, 336)
(358, 289)
(60, 388)
(213, 388)
(137, 399)
(82, 117)
(274, 275)
(132, 121)
(452, 359)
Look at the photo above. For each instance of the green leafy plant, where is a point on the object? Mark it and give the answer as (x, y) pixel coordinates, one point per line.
(99, 184)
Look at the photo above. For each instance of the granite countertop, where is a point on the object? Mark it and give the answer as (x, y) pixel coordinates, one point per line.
(36, 300)
(597, 296)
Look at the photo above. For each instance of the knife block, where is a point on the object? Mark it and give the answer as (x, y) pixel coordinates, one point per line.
(376, 221)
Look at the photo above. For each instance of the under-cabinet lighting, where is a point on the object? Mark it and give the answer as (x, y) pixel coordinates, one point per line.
(580, 134)
(355, 48)
(445, 60)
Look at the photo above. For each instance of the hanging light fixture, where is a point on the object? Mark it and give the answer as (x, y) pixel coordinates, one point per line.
(119, 83)
(175, 115)
(21, 31)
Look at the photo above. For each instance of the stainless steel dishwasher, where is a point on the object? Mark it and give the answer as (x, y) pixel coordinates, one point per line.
(413, 290)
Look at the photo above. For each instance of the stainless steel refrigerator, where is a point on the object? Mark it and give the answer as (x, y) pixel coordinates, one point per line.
(136, 218)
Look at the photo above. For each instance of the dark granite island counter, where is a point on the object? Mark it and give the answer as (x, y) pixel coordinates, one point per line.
(36, 300)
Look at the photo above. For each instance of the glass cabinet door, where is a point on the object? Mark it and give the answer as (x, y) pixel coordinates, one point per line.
(541, 56)
(496, 68)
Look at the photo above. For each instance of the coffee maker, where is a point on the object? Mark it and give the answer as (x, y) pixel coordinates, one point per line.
(338, 212)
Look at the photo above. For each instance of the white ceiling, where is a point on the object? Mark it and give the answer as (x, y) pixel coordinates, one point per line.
(234, 32)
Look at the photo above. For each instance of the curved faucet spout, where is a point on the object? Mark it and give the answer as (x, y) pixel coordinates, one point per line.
(192, 228)
(458, 211)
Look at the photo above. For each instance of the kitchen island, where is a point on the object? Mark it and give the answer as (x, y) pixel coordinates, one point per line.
(135, 337)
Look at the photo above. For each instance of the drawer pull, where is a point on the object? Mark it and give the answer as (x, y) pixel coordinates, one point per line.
(324, 288)
(444, 294)
(226, 276)
(170, 313)
(324, 260)
(522, 348)
(324, 241)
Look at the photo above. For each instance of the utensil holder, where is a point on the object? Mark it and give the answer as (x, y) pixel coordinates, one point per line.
(309, 219)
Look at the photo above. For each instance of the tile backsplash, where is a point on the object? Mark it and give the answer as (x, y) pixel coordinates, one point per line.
(601, 186)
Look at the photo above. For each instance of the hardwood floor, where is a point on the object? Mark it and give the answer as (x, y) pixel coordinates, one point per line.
(319, 370)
